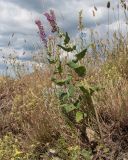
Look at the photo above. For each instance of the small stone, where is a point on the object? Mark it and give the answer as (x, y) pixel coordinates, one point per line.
(52, 151)
(90, 134)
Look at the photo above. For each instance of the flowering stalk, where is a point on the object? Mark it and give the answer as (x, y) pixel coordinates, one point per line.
(41, 31)
(52, 20)
(80, 25)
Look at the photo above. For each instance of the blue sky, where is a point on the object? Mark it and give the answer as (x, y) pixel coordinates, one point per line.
(18, 16)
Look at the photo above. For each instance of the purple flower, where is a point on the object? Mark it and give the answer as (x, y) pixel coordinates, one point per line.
(52, 20)
(41, 31)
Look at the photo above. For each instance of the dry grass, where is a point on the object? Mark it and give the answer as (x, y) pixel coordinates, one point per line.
(30, 110)
(111, 100)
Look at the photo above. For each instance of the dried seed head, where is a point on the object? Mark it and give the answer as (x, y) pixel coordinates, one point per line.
(93, 13)
(95, 8)
(125, 6)
(80, 25)
(108, 4)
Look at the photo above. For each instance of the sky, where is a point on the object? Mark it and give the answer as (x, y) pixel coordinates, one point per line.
(18, 32)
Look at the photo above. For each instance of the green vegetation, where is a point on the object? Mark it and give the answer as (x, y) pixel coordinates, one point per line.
(74, 109)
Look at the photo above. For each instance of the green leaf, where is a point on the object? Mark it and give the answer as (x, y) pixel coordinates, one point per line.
(68, 107)
(51, 60)
(53, 79)
(80, 70)
(95, 89)
(84, 90)
(71, 90)
(62, 82)
(68, 49)
(63, 96)
(89, 90)
(77, 104)
(72, 64)
(58, 69)
(79, 116)
(67, 39)
(81, 55)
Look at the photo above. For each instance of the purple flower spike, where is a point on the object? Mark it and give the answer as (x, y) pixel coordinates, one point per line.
(53, 15)
(41, 31)
(52, 20)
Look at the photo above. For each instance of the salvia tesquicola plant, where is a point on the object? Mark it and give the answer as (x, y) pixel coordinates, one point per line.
(68, 74)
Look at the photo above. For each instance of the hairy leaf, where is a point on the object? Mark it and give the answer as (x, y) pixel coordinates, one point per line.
(84, 90)
(80, 70)
(68, 49)
(71, 90)
(81, 55)
(62, 82)
(63, 96)
(79, 116)
(72, 64)
(67, 39)
(68, 107)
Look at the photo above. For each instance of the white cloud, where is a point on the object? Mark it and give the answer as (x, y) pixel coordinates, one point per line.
(14, 19)
(18, 16)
